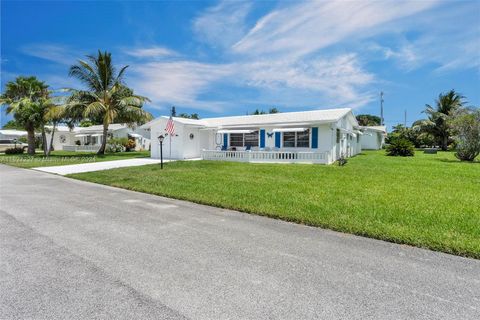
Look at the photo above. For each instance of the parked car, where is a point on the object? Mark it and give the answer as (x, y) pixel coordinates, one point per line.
(10, 143)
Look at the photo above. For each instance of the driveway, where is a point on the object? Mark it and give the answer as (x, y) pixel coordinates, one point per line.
(97, 166)
(76, 250)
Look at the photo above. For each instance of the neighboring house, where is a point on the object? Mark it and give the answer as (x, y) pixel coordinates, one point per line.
(373, 137)
(90, 138)
(320, 136)
(10, 134)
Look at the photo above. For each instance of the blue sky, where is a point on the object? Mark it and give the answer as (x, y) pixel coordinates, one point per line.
(231, 57)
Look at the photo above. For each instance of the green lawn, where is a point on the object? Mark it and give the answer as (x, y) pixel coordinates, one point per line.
(59, 158)
(430, 201)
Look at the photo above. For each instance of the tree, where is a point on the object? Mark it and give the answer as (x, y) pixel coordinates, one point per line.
(25, 99)
(189, 116)
(466, 130)
(413, 134)
(13, 124)
(273, 110)
(437, 123)
(368, 120)
(106, 95)
(54, 116)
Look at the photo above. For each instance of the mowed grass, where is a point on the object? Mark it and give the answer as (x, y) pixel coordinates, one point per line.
(430, 201)
(59, 158)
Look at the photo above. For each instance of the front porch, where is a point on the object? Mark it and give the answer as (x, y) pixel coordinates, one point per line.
(275, 156)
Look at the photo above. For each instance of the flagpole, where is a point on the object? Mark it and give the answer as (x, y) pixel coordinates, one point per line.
(170, 147)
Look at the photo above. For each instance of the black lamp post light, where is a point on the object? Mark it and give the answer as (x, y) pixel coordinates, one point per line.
(160, 139)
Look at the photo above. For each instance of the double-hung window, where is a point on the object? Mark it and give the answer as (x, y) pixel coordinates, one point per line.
(299, 139)
(244, 139)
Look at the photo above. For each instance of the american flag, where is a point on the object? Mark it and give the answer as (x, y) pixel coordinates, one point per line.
(170, 127)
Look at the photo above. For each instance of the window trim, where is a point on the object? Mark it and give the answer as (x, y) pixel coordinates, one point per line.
(257, 132)
(296, 133)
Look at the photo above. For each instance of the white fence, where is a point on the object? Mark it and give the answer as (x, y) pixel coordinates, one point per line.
(267, 156)
(93, 148)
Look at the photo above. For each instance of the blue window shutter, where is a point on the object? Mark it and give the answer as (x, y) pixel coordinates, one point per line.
(262, 138)
(314, 138)
(225, 140)
(278, 137)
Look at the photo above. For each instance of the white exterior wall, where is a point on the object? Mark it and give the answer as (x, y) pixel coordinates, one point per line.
(372, 140)
(177, 150)
(184, 147)
(57, 137)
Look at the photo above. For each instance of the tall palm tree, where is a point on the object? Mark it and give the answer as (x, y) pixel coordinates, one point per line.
(25, 99)
(438, 116)
(106, 95)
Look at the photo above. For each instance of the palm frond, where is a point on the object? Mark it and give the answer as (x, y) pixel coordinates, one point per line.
(94, 108)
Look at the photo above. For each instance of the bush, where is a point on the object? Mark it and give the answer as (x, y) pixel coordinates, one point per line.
(466, 128)
(14, 150)
(342, 160)
(116, 145)
(130, 145)
(400, 147)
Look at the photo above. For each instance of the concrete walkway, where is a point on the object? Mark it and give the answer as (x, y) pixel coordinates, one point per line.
(97, 166)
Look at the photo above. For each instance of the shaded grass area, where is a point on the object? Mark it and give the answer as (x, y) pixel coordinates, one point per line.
(59, 158)
(430, 201)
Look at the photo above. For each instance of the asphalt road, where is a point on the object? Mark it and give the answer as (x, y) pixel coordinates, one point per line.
(76, 250)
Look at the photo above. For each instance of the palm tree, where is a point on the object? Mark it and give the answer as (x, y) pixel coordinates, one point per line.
(25, 99)
(106, 95)
(54, 115)
(438, 116)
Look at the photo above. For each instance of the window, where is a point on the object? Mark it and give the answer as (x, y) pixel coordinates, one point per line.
(244, 139)
(303, 139)
(236, 139)
(251, 139)
(289, 139)
(296, 139)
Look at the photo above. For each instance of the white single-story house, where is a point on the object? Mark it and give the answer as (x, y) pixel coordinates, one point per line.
(373, 137)
(90, 138)
(10, 134)
(319, 136)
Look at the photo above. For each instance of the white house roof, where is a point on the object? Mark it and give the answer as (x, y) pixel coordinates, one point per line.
(285, 118)
(99, 127)
(62, 128)
(13, 132)
(375, 128)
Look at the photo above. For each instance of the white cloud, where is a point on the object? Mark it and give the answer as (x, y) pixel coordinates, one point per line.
(223, 24)
(51, 52)
(310, 26)
(178, 82)
(339, 77)
(151, 52)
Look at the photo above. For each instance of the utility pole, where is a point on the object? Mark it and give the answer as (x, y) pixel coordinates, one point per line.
(381, 108)
(405, 121)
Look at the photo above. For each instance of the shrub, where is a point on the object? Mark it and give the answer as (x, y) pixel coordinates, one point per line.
(130, 145)
(400, 147)
(16, 150)
(342, 160)
(466, 128)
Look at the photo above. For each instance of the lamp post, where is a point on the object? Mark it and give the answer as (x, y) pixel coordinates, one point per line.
(15, 142)
(160, 139)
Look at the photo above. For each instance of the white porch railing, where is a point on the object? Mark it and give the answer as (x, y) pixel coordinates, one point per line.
(93, 148)
(267, 156)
